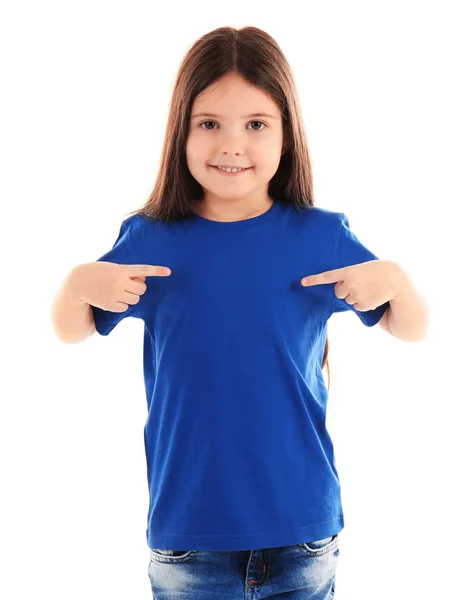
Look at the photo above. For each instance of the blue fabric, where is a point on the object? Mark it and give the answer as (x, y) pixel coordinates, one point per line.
(238, 454)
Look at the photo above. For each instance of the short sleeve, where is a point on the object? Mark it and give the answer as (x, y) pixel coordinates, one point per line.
(351, 251)
(125, 252)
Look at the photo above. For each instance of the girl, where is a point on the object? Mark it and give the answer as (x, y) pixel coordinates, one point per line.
(244, 492)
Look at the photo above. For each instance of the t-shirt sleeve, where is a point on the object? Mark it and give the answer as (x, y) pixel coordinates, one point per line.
(125, 252)
(351, 251)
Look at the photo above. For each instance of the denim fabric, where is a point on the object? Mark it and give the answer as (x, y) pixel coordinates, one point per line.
(299, 572)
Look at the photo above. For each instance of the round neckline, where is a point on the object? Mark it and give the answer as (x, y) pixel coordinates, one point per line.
(242, 225)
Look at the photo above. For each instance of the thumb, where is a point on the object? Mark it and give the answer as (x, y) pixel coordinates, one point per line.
(148, 271)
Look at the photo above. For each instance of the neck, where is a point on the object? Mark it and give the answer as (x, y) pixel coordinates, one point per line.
(222, 210)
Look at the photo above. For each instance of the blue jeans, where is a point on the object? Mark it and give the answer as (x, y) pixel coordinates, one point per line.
(298, 572)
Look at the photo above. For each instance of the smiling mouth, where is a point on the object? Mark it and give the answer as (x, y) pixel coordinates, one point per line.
(230, 173)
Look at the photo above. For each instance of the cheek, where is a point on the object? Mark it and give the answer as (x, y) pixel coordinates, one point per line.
(196, 148)
(267, 154)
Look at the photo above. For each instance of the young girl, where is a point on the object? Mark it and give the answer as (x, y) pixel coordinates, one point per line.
(244, 492)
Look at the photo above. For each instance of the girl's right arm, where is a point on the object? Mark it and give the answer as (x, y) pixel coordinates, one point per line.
(72, 318)
(111, 287)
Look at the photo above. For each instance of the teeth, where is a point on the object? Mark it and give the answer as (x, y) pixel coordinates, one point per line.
(229, 170)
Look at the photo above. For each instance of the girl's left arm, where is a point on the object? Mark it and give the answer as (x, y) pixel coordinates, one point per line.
(408, 313)
(371, 284)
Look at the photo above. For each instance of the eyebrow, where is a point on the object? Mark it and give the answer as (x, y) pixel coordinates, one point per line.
(243, 117)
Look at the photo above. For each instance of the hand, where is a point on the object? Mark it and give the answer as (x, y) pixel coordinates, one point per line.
(365, 286)
(111, 286)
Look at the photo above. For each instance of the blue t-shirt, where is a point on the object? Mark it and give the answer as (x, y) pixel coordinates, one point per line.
(238, 454)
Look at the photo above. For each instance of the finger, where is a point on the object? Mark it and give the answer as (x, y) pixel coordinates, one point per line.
(134, 287)
(340, 290)
(130, 298)
(325, 277)
(148, 271)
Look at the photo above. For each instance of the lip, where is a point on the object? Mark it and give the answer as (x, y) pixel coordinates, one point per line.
(226, 174)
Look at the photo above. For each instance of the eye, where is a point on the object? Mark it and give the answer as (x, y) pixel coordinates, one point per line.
(256, 130)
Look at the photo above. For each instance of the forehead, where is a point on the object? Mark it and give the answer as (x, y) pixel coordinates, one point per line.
(233, 97)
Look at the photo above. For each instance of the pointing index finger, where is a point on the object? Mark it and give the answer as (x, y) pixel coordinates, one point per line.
(325, 277)
(149, 270)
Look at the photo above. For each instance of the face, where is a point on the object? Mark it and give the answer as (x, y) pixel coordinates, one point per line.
(233, 138)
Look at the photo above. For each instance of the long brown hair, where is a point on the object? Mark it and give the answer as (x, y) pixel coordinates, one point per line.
(255, 56)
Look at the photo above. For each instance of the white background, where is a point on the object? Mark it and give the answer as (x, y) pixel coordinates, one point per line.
(387, 94)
